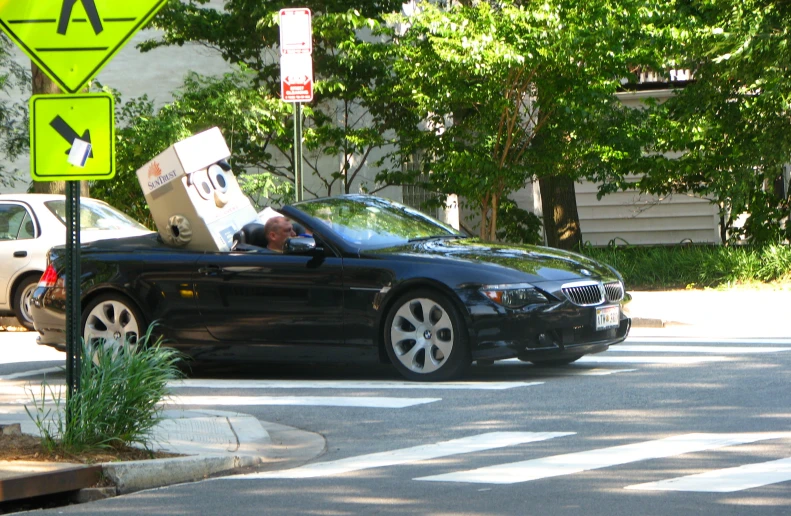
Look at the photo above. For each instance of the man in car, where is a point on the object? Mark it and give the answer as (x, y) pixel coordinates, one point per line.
(278, 230)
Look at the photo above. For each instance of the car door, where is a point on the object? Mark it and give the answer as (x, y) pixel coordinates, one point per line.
(17, 243)
(270, 298)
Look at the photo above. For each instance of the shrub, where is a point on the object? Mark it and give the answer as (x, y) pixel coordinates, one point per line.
(118, 401)
(695, 266)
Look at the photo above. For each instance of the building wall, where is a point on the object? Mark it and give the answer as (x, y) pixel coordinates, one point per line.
(641, 219)
(630, 217)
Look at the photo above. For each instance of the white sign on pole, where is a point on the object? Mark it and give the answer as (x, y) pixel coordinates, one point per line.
(296, 34)
(296, 77)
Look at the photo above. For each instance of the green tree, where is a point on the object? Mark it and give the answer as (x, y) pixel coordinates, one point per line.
(13, 116)
(339, 122)
(511, 92)
(248, 119)
(731, 125)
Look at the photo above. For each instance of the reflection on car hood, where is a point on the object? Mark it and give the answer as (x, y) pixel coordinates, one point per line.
(543, 263)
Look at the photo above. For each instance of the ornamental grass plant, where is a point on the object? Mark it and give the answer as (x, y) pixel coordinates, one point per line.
(696, 266)
(119, 399)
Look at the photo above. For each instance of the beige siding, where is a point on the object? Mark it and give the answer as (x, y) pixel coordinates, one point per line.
(645, 220)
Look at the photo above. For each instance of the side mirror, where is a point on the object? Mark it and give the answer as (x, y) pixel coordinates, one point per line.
(301, 245)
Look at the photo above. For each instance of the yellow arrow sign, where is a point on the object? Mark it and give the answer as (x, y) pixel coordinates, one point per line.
(56, 121)
(71, 40)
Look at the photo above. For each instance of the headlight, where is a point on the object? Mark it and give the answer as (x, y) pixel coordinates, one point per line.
(514, 296)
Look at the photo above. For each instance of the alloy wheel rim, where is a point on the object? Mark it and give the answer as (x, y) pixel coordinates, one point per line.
(111, 324)
(421, 335)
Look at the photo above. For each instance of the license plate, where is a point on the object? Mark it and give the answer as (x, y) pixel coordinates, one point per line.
(608, 317)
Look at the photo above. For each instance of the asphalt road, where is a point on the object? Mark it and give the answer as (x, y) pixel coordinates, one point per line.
(652, 427)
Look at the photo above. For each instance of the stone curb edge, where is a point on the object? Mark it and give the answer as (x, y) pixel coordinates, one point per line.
(648, 322)
(132, 476)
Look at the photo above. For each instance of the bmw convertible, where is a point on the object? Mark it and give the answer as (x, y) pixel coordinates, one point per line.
(375, 281)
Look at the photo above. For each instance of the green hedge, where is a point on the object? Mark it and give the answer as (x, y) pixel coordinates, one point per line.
(695, 266)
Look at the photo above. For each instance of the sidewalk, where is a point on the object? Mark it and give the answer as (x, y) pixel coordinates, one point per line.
(216, 442)
(211, 442)
(710, 313)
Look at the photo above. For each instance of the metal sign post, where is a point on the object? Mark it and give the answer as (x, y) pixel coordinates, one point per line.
(55, 35)
(296, 75)
(298, 185)
(73, 308)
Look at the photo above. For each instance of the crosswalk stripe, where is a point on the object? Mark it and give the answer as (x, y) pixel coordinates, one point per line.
(35, 372)
(723, 350)
(312, 401)
(709, 340)
(610, 359)
(725, 480)
(570, 463)
(475, 443)
(346, 384)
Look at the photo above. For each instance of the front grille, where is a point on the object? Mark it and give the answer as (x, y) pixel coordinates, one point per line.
(586, 293)
(613, 291)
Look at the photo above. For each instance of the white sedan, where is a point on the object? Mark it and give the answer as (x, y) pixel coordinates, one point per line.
(30, 224)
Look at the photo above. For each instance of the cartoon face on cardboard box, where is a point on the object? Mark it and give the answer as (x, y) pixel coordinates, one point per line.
(193, 195)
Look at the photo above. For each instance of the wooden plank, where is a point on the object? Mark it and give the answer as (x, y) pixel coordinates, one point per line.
(40, 484)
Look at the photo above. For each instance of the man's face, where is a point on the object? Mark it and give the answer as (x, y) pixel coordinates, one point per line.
(278, 235)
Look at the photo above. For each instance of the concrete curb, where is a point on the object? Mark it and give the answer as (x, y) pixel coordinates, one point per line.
(129, 477)
(648, 322)
(286, 448)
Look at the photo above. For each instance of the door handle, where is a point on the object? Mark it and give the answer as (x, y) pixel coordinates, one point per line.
(20, 254)
(210, 270)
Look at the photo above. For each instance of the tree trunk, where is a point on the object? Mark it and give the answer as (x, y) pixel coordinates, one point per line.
(43, 85)
(561, 220)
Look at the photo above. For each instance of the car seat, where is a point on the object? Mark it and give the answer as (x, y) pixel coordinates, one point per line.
(251, 235)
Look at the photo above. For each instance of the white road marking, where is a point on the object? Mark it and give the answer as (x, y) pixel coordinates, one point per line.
(610, 359)
(475, 443)
(569, 371)
(309, 401)
(725, 480)
(724, 350)
(570, 463)
(346, 384)
(34, 372)
(707, 340)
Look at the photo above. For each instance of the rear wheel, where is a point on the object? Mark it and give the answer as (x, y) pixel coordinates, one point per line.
(554, 362)
(426, 338)
(22, 298)
(112, 321)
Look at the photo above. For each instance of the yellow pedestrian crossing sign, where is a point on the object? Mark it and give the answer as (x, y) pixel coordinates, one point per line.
(71, 40)
(57, 121)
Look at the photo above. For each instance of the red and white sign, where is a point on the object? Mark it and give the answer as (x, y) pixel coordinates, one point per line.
(296, 33)
(296, 77)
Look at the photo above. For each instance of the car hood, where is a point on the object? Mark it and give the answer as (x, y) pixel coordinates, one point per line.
(539, 264)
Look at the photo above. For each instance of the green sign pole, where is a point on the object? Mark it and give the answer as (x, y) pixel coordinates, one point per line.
(73, 308)
(298, 185)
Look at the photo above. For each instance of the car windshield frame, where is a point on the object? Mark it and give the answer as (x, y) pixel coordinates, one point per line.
(369, 223)
(96, 216)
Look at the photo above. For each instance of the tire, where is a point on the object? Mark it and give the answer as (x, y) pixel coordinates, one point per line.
(425, 337)
(554, 362)
(112, 320)
(22, 296)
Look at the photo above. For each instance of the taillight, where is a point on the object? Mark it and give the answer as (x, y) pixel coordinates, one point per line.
(49, 278)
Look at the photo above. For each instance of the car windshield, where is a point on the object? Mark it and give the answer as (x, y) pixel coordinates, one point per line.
(96, 216)
(371, 222)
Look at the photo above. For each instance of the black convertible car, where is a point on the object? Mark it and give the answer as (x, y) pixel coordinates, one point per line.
(377, 281)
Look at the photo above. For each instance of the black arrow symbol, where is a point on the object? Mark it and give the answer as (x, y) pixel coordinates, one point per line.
(90, 9)
(70, 134)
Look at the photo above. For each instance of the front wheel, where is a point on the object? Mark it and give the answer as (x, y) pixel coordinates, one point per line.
(426, 338)
(112, 321)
